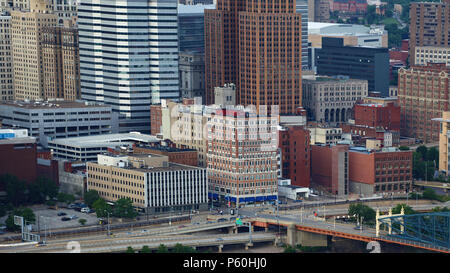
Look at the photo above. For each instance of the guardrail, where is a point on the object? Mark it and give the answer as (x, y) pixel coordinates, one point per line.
(104, 228)
(415, 243)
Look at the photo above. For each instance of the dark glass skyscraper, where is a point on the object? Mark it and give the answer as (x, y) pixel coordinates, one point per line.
(366, 63)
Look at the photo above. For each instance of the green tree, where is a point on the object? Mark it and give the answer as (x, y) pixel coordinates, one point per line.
(408, 210)
(438, 209)
(289, 249)
(41, 190)
(162, 249)
(361, 210)
(123, 208)
(90, 197)
(179, 248)
(422, 150)
(16, 190)
(65, 198)
(101, 208)
(145, 249)
(2, 210)
(430, 194)
(130, 250)
(82, 221)
(27, 214)
(433, 156)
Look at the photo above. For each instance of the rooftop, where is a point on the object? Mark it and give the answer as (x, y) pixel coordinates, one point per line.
(17, 140)
(165, 148)
(193, 9)
(52, 104)
(105, 140)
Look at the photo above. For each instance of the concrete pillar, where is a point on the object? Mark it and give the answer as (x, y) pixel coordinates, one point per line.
(220, 248)
(291, 235)
(230, 230)
(266, 229)
(235, 230)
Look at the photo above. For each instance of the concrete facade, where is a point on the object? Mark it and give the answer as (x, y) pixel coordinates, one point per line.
(431, 54)
(58, 118)
(155, 189)
(331, 99)
(192, 75)
(423, 92)
(6, 67)
(330, 169)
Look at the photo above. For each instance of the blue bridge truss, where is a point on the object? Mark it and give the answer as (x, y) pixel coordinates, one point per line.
(430, 228)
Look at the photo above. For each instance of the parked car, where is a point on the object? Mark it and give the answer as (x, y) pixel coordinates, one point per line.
(66, 219)
(73, 217)
(298, 201)
(222, 220)
(61, 213)
(358, 228)
(219, 239)
(85, 210)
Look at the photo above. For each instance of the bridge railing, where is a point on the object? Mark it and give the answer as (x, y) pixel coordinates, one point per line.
(415, 243)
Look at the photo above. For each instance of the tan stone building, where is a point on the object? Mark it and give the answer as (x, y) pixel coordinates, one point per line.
(26, 34)
(6, 73)
(60, 60)
(185, 125)
(423, 93)
(331, 99)
(444, 140)
(150, 181)
(429, 25)
(431, 54)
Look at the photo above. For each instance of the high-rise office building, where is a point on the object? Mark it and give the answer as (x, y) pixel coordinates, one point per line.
(257, 46)
(65, 9)
(302, 8)
(6, 69)
(423, 93)
(430, 25)
(242, 164)
(26, 37)
(129, 56)
(366, 63)
(61, 62)
(191, 27)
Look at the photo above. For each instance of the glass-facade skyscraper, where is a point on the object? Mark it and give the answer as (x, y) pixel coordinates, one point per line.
(129, 56)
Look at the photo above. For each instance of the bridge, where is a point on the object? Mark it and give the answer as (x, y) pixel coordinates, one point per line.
(433, 184)
(313, 231)
(153, 242)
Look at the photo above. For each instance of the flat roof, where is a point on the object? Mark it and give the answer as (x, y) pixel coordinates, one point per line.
(194, 9)
(18, 140)
(171, 167)
(105, 140)
(165, 148)
(52, 104)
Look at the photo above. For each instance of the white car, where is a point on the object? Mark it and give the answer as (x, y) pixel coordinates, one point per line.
(85, 210)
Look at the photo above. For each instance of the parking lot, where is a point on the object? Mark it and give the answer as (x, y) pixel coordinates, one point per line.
(49, 217)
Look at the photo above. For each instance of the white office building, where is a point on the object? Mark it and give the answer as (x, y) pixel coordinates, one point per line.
(129, 56)
(87, 148)
(46, 120)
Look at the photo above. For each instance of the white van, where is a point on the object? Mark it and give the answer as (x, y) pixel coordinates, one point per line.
(85, 210)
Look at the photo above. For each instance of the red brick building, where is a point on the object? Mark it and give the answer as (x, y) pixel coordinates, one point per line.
(155, 119)
(378, 116)
(294, 142)
(380, 172)
(176, 155)
(349, 6)
(18, 158)
(329, 168)
(423, 93)
(255, 44)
